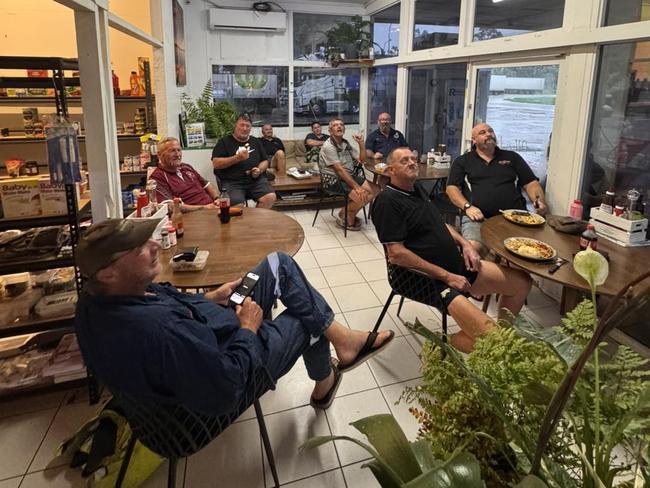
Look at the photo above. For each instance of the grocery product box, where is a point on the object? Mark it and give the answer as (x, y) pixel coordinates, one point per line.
(21, 197)
(617, 228)
(52, 198)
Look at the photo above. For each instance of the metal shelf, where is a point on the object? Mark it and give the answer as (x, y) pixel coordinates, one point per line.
(72, 101)
(82, 138)
(44, 221)
(35, 324)
(36, 264)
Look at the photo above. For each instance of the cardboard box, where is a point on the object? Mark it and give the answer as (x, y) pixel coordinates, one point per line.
(21, 197)
(52, 198)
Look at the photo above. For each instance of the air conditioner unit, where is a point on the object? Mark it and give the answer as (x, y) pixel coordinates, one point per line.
(223, 18)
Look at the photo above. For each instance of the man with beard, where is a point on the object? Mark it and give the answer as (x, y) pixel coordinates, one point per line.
(494, 179)
(315, 138)
(384, 139)
(240, 165)
(177, 179)
(338, 156)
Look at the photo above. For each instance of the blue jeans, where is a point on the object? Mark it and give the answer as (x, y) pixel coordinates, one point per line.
(298, 331)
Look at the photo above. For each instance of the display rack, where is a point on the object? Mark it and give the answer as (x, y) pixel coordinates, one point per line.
(60, 325)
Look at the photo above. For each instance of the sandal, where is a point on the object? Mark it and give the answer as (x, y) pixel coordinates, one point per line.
(325, 402)
(355, 227)
(367, 351)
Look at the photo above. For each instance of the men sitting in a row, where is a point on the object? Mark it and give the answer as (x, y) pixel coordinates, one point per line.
(240, 163)
(338, 156)
(384, 139)
(177, 179)
(411, 228)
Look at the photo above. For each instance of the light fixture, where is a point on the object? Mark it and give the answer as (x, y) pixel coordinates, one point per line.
(497, 1)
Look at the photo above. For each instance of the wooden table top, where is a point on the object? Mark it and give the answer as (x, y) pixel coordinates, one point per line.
(286, 182)
(624, 262)
(426, 172)
(235, 248)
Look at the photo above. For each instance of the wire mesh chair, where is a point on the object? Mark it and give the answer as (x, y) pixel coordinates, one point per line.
(174, 431)
(415, 285)
(331, 186)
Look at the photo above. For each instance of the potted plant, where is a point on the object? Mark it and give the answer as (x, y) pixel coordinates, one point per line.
(540, 407)
(219, 118)
(348, 40)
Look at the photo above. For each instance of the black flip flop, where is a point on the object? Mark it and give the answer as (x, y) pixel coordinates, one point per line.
(326, 401)
(367, 351)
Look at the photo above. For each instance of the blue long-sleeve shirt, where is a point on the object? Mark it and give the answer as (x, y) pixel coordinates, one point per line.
(169, 347)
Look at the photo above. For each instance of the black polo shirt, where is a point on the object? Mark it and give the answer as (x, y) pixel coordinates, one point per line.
(379, 143)
(313, 137)
(272, 146)
(412, 219)
(494, 185)
(227, 147)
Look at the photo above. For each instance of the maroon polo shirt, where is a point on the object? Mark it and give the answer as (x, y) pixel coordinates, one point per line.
(185, 183)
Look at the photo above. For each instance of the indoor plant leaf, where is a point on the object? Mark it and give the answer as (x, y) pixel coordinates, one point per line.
(531, 481)
(460, 471)
(592, 266)
(561, 343)
(424, 456)
(387, 437)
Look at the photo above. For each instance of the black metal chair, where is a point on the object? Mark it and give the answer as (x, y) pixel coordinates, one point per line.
(174, 431)
(331, 186)
(415, 285)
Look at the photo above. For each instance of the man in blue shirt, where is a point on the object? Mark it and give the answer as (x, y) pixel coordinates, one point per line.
(382, 141)
(157, 344)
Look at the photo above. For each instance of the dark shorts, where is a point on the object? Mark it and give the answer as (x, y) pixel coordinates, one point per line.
(448, 294)
(240, 191)
(356, 177)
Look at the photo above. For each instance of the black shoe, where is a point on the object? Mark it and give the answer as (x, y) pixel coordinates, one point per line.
(269, 176)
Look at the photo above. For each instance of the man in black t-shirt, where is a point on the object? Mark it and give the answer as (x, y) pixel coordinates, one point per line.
(409, 225)
(494, 177)
(240, 163)
(274, 149)
(315, 138)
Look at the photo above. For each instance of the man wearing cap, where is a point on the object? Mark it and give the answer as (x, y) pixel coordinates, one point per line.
(177, 179)
(157, 344)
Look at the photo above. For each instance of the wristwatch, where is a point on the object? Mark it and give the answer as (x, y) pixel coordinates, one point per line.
(466, 206)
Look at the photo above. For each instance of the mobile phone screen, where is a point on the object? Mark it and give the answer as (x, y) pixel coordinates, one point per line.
(244, 289)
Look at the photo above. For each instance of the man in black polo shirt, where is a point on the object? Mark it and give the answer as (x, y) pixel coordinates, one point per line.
(315, 138)
(240, 163)
(494, 177)
(409, 225)
(383, 140)
(274, 149)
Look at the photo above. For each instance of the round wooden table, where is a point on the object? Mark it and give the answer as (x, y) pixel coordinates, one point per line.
(235, 248)
(624, 262)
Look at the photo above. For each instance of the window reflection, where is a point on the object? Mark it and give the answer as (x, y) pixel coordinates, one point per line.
(618, 154)
(626, 11)
(436, 23)
(309, 35)
(385, 32)
(383, 84)
(504, 18)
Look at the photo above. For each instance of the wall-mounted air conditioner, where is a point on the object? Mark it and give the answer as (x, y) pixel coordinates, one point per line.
(223, 18)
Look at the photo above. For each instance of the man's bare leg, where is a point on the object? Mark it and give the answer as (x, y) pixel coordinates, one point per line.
(472, 321)
(347, 344)
(267, 200)
(353, 207)
(512, 284)
(279, 162)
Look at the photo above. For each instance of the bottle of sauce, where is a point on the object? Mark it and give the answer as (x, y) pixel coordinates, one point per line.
(151, 195)
(141, 203)
(135, 84)
(224, 207)
(575, 210)
(589, 238)
(177, 218)
(608, 202)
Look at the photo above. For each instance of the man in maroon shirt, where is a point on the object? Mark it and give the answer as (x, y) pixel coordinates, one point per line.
(177, 179)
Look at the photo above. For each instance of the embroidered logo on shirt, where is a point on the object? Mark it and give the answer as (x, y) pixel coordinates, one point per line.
(505, 162)
(396, 135)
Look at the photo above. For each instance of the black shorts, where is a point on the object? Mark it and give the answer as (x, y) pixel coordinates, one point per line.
(356, 177)
(448, 294)
(240, 191)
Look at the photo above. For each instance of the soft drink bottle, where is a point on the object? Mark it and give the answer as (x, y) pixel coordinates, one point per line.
(224, 207)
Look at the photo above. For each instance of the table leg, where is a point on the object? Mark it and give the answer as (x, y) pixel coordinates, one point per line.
(570, 298)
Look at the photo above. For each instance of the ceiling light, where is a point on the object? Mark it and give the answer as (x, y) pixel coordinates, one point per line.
(497, 1)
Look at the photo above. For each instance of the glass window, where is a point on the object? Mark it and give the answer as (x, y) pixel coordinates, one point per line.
(502, 18)
(383, 85)
(385, 32)
(525, 94)
(261, 91)
(618, 152)
(322, 93)
(310, 35)
(436, 23)
(626, 11)
(436, 102)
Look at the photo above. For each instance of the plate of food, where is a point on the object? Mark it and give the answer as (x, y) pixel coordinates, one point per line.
(528, 248)
(523, 217)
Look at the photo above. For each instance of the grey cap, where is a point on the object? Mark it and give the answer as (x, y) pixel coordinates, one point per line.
(103, 240)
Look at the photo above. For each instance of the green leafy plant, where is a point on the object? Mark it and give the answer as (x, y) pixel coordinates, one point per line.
(352, 39)
(219, 118)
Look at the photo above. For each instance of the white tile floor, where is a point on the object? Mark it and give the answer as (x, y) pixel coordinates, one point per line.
(350, 273)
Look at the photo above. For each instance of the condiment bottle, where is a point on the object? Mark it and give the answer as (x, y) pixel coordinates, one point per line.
(589, 238)
(224, 206)
(632, 197)
(608, 202)
(151, 195)
(172, 235)
(141, 203)
(177, 218)
(575, 210)
(164, 234)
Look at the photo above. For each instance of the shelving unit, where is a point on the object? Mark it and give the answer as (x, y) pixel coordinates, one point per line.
(53, 328)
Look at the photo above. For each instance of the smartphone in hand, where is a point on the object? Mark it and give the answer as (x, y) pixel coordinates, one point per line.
(244, 289)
